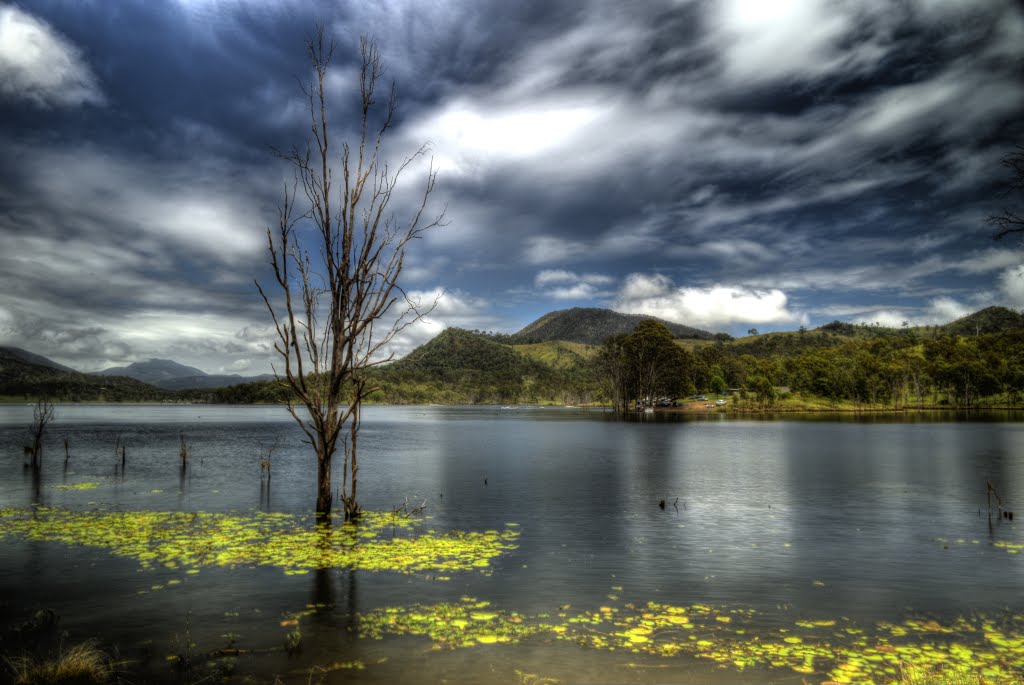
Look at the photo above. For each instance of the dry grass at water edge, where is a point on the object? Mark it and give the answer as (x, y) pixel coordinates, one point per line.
(83, 663)
(915, 675)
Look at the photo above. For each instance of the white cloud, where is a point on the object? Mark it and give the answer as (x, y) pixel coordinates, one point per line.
(237, 366)
(98, 192)
(1011, 285)
(471, 135)
(450, 309)
(765, 41)
(6, 323)
(759, 43)
(947, 309)
(720, 305)
(568, 285)
(940, 310)
(546, 249)
(40, 65)
(988, 260)
(551, 276)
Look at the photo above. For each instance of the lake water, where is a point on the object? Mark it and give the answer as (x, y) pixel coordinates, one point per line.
(766, 523)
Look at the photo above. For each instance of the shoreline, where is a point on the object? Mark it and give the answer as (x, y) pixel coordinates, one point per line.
(692, 408)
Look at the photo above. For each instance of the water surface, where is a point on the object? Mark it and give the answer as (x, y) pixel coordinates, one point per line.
(871, 520)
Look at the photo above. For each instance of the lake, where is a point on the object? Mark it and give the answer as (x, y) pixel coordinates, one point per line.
(788, 549)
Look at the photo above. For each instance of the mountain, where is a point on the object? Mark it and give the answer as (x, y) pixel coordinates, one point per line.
(592, 326)
(457, 351)
(462, 367)
(20, 378)
(170, 375)
(987, 320)
(18, 354)
(154, 370)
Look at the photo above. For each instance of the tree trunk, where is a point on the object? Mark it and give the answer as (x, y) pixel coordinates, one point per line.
(323, 484)
(352, 504)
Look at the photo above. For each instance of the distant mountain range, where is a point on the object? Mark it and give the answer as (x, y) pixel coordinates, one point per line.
(170, 375)
(27, 375)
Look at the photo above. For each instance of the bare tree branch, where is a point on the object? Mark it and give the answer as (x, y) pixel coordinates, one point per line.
(327, 325)
(1009, 221)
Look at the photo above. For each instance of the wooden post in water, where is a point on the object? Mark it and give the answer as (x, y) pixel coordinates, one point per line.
(990, 490)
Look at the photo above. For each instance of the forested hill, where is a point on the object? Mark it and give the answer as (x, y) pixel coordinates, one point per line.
(988, 320)
(592, 326)
(21, 377)
(459, 366)
(458, 349)
(18, 354)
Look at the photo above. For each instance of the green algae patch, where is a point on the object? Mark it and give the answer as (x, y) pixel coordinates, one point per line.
(833, 649)
(826, 650)
(453, 625)
(1010, 547)
(380, 542)
(76, 486)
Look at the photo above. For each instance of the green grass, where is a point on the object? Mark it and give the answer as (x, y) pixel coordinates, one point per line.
(558, 354)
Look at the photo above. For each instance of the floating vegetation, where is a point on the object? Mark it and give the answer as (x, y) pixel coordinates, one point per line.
(380, 542)
(76, 486)
(835, 650)
(1011, 547)
(466, 623)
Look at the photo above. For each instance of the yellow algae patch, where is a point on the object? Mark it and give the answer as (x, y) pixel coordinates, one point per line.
(451, 625)
(871, 654)
(992, 648)
(380, 542)
(1011, 547)
(76, 486)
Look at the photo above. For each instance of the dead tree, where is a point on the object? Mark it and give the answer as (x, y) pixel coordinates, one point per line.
(1009, 221)
(121, 451)
(336, 310)
(42, 414)
(265, 461)
(184, 451)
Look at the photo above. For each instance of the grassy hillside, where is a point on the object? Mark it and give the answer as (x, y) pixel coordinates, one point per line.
(559, 354)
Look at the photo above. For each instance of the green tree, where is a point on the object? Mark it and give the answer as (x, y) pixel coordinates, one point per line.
(656, 360)
(765, 389)
(616, 369)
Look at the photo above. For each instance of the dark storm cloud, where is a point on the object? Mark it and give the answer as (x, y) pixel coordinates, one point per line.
(719, 163)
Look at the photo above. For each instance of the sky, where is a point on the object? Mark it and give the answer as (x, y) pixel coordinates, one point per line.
(727, 164)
